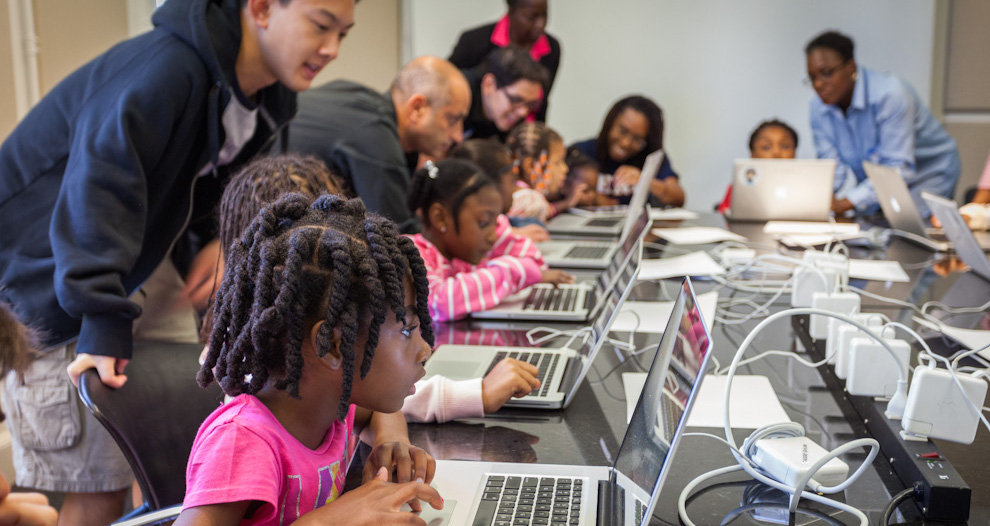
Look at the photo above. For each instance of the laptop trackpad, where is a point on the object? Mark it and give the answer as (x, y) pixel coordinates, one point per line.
(434, 517)
(458, 370)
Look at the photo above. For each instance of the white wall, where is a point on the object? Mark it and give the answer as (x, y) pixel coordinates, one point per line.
(716, 67)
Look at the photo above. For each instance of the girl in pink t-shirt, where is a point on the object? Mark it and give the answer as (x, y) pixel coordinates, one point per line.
(323, 305)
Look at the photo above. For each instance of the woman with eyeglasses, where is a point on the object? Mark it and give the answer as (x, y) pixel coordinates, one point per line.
(865, 115)
(633, 129)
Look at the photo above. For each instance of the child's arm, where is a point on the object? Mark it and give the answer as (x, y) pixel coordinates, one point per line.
(377, 502)
(455, 296)
(25, 509)
(391, 449)
(441, 399)
(572, 196)
(509, 243)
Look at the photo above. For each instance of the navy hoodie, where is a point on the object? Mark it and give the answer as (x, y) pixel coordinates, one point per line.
(99, 180)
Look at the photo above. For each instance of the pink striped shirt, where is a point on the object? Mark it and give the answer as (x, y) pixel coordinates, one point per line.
(458, 288)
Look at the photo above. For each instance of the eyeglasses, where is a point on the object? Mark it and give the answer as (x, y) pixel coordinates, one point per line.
(636, 141)
(518, 102)
(825, 74)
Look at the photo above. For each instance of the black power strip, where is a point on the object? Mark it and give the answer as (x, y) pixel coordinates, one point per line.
(945, 495)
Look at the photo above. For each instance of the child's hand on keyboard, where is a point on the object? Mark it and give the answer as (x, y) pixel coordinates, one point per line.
(509, 378)
(556, 277)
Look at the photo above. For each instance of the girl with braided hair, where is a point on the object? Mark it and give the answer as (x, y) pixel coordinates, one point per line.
(468, 264)
(496, 160)
(437, 399)
(323, 305)
(539, 152)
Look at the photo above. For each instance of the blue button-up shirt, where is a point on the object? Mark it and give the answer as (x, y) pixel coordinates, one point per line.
(887, 124)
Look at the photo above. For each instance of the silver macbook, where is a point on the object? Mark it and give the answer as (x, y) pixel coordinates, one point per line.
(782, 189)
(571, 302)
(608, 224)
(561, 369)
(623, 494)
(959, 234)
(902, 213)
(585, 254)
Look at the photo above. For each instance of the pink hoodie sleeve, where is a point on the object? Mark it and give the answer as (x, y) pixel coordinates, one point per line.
(454, 296)
(441, 399)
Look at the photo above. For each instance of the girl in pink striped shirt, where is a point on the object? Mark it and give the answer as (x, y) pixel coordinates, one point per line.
(473, 261)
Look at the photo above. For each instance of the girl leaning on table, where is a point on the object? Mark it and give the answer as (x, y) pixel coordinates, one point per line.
(469, 265)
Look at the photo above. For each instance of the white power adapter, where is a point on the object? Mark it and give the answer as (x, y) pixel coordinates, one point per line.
(788, 459)
(833, 324)
(936, 408)
(838, 302)
(872, 371)
(844, 334)
(807, 280)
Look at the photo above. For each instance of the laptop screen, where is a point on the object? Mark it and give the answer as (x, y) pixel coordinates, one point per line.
(627, 252)
(661, 413)
(958, 232)
(601, 324)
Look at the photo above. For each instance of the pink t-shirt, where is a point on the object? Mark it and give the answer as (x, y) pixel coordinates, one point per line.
(242, 452)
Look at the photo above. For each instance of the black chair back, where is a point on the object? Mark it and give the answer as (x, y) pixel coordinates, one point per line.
(154, 417)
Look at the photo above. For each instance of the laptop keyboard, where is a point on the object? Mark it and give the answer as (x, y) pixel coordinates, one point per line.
(511, 501)
(580, 252)
(552, 299)
(604, 222)
(543, 361)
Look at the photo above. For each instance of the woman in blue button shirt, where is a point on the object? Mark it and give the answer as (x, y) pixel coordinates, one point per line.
(866, 115)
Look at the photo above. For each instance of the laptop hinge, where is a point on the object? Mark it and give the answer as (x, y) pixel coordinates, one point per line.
(611, 502)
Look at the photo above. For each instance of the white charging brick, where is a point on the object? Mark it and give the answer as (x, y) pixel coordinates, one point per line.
(832, 338)
(936, 408)
(846, 303)
(872, 370)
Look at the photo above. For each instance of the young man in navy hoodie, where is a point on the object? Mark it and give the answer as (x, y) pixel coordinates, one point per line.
(102, 185)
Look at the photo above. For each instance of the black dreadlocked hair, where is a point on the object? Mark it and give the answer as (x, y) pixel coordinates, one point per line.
(300, 261)
(264, 180)
(453, 181)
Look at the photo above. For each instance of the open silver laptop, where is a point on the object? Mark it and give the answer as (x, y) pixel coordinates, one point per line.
(571, 302)
(622, 494)
(609, 224)
(782, 189)
(586, 254)
(561, 369)
(902, 213)
(959, 234)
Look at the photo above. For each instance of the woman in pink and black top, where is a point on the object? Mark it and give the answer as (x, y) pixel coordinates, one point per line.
(524, 26)
(473, 260)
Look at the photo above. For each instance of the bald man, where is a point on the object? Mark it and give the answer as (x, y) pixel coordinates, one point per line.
(373, 140)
